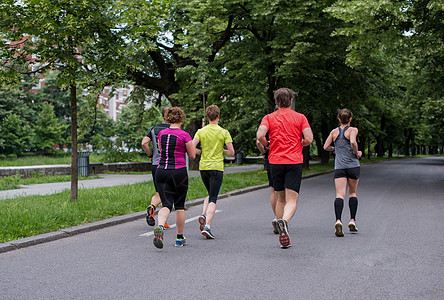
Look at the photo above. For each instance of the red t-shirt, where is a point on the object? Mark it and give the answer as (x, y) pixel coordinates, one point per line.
(285, 128)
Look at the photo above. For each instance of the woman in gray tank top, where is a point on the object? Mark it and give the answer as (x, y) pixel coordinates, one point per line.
(347, 168)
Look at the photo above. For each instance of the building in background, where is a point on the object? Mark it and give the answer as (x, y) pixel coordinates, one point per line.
(113, 104)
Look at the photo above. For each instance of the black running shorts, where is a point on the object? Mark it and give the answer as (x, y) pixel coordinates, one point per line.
(286, 177)
(212, 180)
(352, 173)
(153, 171)
(270, 179)
(173, 187)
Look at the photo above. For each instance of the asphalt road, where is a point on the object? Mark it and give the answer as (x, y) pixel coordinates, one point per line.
(397, 254)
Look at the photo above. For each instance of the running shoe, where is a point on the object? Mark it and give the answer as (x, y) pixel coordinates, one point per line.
(158, 237)
(284, 237)
(338, 229)
(207, 233)
(275, 226)
(181, 242)
(150, 215)
(352, 227)
(202, 221)
(166, 226)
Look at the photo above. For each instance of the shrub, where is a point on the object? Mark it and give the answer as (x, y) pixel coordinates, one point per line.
(114, 155)
(10, 182)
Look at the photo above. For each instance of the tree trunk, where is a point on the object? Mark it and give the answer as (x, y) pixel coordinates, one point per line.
(74, 157)
(408, 136)
(379, 148)
(361, 144)
(324, 155)
(306, 154)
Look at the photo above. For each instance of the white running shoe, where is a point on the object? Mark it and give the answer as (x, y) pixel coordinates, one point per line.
(338, 229)
(352, 227)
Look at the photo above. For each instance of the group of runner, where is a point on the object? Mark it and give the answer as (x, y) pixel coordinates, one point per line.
(170, 174)
(280, 138)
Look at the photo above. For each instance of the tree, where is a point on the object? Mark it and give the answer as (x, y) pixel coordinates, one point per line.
(95, 126)
(16, 135)
(48, 129)
(406, 33)
(79, 38)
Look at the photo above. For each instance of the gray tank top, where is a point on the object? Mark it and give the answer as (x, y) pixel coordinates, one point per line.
(345, 157)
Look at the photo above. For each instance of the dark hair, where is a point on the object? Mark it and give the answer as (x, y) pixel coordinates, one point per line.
(344, 115)
(165, 110)
(283, 97)
(175, 115)
(213, 112)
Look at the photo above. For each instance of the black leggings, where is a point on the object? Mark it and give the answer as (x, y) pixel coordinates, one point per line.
(212, 180)
(172, 187)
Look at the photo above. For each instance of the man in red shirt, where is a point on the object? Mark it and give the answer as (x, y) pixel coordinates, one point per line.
(288, 131)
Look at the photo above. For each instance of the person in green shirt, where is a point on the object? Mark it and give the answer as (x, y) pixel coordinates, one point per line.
(212, 139)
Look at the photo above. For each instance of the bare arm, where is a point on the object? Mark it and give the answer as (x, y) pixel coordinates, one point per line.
(260, 147)
(191, 149)
(195, 143)
(230, 151)
(328, 142)
(354, 143)
(308, 137)
(260, 134)
(145, 145)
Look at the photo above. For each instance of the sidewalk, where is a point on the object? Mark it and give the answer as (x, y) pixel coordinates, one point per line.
(106, 180)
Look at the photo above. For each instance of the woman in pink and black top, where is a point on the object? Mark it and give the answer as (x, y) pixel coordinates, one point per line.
(172, 175)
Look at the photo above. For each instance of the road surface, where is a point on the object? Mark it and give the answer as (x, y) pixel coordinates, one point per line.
(397, 254)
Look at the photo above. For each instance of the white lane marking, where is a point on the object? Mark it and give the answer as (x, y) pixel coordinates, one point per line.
(149, 233)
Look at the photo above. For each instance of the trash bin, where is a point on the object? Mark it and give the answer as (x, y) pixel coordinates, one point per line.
(83, 161)
(239, 157)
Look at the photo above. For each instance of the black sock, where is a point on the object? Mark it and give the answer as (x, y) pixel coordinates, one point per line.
(180, 236)
(339, 205)
(353, 205)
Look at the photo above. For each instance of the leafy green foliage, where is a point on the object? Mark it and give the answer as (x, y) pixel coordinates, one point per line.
(15, 135)
(48, 129)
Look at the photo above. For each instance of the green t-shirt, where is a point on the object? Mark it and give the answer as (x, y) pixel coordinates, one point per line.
(212, 140)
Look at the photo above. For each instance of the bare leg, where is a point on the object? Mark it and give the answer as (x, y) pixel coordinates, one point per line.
(273, 201)
(180, 221)
(205, 205)
(155, 200)
(291, 202)
(163, 215)
(352, 187)
(341, 187)
(210, 212)
(280, 203)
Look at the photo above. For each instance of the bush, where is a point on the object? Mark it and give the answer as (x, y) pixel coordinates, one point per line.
(2, 156)
(10, 182)
(12, 156)
(114, 155)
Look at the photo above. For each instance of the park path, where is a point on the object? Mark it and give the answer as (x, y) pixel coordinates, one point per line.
(106, 180)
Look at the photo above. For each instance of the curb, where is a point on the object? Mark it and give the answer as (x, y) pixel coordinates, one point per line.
(71, 231)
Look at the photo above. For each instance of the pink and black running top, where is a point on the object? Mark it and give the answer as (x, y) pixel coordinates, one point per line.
(172, 148)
